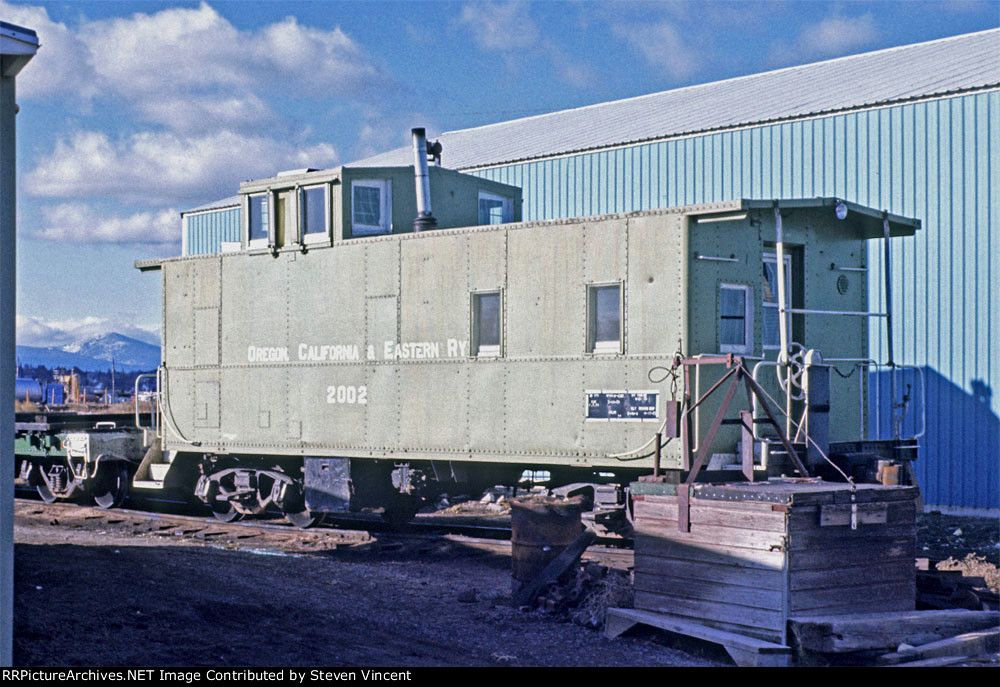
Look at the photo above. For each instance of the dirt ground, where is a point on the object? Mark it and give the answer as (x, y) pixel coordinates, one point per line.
(105, 588)
(101, 594)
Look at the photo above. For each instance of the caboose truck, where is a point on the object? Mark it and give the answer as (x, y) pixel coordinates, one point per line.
(340, 359)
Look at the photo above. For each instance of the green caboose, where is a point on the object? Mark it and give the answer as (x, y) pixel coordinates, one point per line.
(338, 358)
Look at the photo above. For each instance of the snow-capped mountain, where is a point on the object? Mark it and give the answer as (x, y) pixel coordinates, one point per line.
(95, 354)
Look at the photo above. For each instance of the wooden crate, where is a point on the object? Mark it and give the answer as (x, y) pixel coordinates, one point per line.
(759, 553)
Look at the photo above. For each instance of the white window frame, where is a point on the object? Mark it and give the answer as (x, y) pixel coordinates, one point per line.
(385, 190)
(507, 206)
(318, 237)
(747, 346)
(611, 346)
(773, 259)
(291, 212)
(492, 350)
(253, 244)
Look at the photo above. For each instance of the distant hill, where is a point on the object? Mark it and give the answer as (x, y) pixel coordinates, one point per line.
(95, 354)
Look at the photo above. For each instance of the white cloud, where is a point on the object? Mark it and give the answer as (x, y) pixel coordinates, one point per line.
(194, 58)
(662, 46)
(82, 223)
(831, 37)
(203, 50)
(196, 113)
(508, 29)
(500, 26)
(38, 331)
(61, 64)
(164, 167)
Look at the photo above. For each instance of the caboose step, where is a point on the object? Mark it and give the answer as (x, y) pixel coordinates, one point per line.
(144, 477)
(158, 471)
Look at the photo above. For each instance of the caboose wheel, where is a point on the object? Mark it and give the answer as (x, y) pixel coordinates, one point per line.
(45, 493)
(225, 512)
(304, 519)
(111, 486)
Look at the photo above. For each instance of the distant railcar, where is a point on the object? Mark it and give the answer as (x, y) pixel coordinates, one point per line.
(340, 359)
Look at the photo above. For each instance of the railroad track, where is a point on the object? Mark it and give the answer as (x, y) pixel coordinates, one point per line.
(262, 535)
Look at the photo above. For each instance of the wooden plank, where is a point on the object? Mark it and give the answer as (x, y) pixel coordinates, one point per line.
(835, 514)
(707, 552)
(711, 534)
(940, 662)
(670, 500)
(808, 517)
(708, 590)
(710, 610)
(835, 537)
(865, 605)
(888, 550)
(744, 649)
(965, 645)
(900, 594)
(767, 516)
(737, 518)
(878, 492)
(616, 624)
(799, 494)
(722, 573)
(872, 631)
(763, 634)
(890, 571)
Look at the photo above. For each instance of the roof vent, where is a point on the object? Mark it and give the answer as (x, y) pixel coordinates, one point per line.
(296, 172)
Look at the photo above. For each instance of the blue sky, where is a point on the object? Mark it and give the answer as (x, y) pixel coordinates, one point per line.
(134, 111)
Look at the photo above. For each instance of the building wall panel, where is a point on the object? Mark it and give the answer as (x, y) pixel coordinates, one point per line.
(934, 160)
(206, 231)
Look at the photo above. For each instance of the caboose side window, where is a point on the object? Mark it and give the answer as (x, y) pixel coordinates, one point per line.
(735, 318)
(770, 299)
(486, 324)
(370, 208)
(604, 318)
(312, 213)
(258, 220)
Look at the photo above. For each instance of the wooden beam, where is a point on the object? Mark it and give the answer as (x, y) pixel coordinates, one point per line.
(967, 644)
(872, 631)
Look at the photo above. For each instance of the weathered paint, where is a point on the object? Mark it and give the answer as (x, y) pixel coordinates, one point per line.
(934, 160)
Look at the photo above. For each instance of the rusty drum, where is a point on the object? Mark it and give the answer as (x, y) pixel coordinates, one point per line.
(540, 529)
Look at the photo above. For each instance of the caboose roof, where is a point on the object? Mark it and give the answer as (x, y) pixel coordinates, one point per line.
(868, 221)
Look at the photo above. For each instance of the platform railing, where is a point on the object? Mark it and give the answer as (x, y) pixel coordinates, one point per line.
(154, 403)
(867, 368)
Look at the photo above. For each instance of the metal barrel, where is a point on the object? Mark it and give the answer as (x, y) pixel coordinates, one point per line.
(540, 530)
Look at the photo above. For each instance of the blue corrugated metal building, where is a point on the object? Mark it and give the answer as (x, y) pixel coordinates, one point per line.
(913, 130)
(207, 228)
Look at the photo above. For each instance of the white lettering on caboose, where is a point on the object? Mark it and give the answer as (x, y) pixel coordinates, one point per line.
(328, 352)
(267, 354)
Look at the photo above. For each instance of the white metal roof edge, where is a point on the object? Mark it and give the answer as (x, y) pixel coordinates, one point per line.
(806, 116)
(744, 77)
